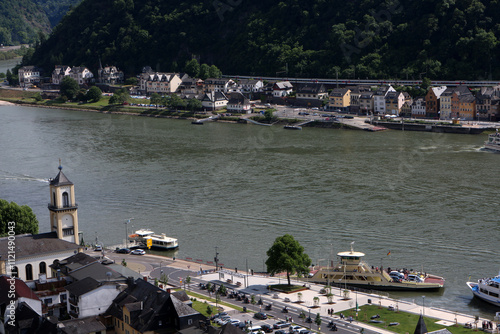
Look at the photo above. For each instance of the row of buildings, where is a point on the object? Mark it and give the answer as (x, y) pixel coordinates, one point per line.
(53, 287)
(445, 103)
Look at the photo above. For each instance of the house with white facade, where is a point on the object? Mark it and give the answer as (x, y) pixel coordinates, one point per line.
(82, 75)
(418, 108)
(59, 72)
(110, 75)
(29, 76)
(250, 85)
(282, 89)
(223, 85)
(158, 82)
(214, 101)
(379, 99)
(89, 297)
(238, 103)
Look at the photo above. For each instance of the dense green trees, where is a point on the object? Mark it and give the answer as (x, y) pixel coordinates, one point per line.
(447, 39)
(23, 217)
(120, 96)
(287, 255)
(22, 21)
(69, 87)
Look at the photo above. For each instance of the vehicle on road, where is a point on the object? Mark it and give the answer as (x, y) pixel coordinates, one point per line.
(286, 300)
(98, 248)
(260, 316)
(254, 329)
(138, 252)
(123, 251)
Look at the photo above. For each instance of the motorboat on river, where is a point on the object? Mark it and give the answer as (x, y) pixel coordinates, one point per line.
(353, 271)
(487, 289)
(493, 142)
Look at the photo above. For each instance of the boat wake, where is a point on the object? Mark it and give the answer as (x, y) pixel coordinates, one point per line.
(21, 177)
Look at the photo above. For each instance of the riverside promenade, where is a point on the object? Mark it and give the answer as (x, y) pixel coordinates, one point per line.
(258, 285)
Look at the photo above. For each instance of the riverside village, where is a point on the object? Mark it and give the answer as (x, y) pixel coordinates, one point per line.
(54, 282)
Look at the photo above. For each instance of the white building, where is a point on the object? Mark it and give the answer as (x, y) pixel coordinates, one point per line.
(29, 76)
(88, 297)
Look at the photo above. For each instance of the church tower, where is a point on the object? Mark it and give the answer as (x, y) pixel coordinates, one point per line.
(63, 209)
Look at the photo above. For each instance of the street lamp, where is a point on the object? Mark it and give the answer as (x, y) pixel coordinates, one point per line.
(423, 305)
(126, 231)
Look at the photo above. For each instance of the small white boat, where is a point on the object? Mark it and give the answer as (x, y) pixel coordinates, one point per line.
(493, 142)
(487, 289)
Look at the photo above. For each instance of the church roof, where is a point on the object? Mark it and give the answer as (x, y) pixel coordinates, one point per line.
(60, 179)
(28, 245)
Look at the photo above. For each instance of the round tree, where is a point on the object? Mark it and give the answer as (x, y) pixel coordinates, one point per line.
(69, 87)
(23, 217)
(287, 255)
(94, 94)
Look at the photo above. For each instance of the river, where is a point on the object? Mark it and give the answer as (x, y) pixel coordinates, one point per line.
(427, 198)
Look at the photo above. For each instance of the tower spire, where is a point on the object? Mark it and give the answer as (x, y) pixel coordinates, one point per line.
(60, 164)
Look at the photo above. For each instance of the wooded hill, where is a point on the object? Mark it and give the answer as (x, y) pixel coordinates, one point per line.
(445, 39)
(22, 21)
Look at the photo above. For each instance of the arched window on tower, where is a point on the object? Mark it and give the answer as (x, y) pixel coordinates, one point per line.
(29, 272)
(65, 199)
(43, 268)
(54, 202)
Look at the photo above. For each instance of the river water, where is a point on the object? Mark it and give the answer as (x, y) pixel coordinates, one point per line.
(429, 199)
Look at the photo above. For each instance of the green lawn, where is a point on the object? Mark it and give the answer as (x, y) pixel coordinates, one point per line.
(197, 295)
(407, 321)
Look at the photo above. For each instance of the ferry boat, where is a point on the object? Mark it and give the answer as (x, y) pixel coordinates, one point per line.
(353, 271)
(158, 241)
(487, 289)
(493, 142)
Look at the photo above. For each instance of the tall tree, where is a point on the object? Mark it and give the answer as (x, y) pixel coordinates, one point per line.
(155, 99)
(23, 217)
(192, 68)
(69, 87)
(287, 255)
(214, 72)
(204, 71)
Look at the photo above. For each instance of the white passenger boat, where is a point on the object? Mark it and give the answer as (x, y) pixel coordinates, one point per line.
(487, 289)
(493, 142)
(158, 241)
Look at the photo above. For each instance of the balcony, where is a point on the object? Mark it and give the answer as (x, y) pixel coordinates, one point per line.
(61, 207)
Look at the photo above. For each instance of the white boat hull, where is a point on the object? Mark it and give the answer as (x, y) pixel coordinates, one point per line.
(483, 296)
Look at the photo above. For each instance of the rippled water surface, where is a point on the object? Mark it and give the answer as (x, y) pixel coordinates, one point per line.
(429, 199)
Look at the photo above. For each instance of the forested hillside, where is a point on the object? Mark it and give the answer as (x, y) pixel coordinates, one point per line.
(22, 21)
(447, 39)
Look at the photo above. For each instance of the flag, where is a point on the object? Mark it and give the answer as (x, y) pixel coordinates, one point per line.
(389, 253)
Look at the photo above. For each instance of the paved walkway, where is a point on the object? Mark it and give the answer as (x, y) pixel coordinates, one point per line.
(258, 285)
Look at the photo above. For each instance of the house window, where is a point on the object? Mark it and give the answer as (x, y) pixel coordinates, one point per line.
(43, 268)
(29, 272)
(47, 301)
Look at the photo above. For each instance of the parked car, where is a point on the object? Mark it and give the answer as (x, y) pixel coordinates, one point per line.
(280, 331)
(123, 251)
(218, 315)
(138, 252)
(267, 328)
(260, 316)
(98, 248)
(286, 300)
(281, 324)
